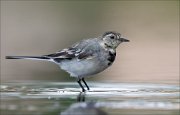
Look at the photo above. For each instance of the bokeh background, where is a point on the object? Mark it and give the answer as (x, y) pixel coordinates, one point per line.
(43, 27)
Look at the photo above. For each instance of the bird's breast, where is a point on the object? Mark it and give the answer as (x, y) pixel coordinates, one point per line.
(111, 57)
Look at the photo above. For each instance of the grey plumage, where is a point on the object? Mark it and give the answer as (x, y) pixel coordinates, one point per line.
(85, 58)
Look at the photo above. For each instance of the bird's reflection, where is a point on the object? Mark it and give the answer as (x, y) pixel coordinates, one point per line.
(81, 97)
(83, 108)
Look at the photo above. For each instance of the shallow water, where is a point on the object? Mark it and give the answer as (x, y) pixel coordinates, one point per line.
(54, 98)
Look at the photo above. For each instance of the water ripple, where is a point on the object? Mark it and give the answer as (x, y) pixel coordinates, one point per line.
(114, 95)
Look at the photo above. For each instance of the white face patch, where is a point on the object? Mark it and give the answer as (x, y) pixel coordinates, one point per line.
(110, 35)
(104, 39)
(118, 37)
(111, 40)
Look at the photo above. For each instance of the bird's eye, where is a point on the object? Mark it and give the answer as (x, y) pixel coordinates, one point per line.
(112, 37)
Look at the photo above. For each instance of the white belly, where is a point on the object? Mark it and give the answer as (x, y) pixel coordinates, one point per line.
(77, 68)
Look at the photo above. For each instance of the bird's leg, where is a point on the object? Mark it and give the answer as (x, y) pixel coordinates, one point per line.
(79, 82)
(85, 84)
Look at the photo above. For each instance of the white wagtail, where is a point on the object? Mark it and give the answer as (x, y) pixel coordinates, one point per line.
(85, 58)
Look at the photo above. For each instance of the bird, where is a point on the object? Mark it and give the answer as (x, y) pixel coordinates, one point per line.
(84, 58)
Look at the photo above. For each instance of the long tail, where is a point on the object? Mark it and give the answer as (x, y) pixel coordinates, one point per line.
(29, 57)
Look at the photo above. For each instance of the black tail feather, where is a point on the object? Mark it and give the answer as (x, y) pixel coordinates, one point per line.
(28, 57)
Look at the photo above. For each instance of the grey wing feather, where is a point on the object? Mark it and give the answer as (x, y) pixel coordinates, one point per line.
(81, 50)
(88, 48)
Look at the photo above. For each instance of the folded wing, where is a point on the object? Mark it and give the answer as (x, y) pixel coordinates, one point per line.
(85, 49)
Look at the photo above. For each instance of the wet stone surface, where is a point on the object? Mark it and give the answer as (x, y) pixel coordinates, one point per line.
(55, 98)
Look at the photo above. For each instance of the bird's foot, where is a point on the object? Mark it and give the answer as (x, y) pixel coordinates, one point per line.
(83, 90)
(88, 88)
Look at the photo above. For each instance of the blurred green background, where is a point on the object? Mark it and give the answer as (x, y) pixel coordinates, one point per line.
(43, 27)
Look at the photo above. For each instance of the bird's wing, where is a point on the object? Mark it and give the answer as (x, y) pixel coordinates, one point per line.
(67, 53)
(88, 48)
(84, 49)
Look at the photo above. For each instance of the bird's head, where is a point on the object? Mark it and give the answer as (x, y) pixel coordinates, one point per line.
(112, 39)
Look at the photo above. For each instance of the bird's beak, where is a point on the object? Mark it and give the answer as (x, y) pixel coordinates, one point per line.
(124, 40)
